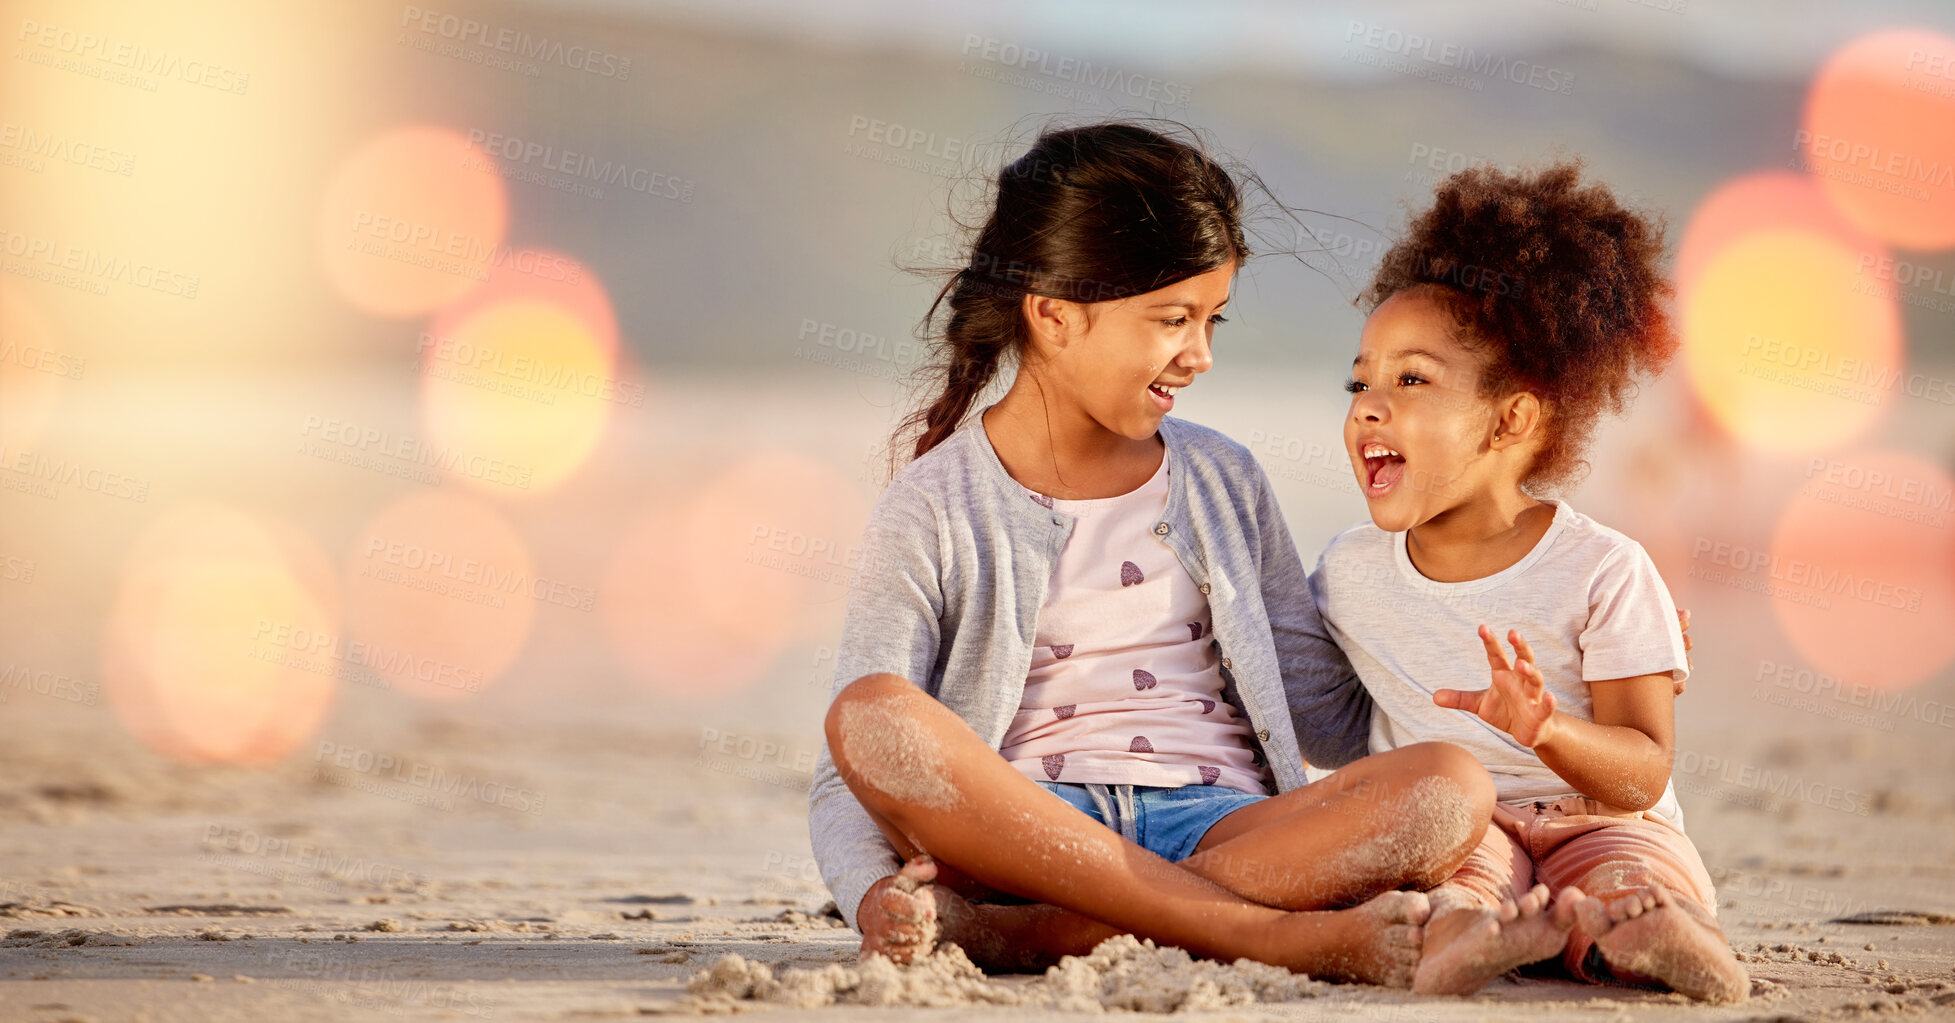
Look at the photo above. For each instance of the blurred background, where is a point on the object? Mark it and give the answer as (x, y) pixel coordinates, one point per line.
(374, 369)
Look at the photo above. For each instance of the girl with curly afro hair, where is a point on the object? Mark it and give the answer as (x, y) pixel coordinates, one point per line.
(1516, 310)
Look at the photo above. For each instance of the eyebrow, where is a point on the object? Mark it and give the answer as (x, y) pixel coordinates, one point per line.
(1404, 352)
(1185, 304)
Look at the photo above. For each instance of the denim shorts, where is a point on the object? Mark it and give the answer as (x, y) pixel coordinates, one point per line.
(1167, 821)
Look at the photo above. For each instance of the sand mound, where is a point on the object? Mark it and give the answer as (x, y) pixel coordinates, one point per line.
(1122, 973)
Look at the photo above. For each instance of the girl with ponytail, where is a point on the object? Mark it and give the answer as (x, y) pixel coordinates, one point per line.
(1081, 669)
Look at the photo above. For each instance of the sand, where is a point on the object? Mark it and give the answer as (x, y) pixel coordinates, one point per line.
(138, 889)
(1122, 973)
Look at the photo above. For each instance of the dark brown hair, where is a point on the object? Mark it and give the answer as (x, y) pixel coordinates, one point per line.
(1089, 213)
(1555, 282)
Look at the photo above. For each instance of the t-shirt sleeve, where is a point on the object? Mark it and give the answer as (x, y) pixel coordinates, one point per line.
(892, 624)
(1632, 622)
(1330, 710)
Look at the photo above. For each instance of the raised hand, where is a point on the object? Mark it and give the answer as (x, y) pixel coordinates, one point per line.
(1517, 702)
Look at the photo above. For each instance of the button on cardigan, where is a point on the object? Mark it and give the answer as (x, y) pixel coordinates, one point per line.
(952, 570)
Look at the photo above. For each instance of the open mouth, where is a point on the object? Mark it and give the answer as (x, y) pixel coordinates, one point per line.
(1163, 394)
(1383, 468)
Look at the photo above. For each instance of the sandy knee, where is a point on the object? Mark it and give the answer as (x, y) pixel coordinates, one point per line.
(879, 741)
(1445, 760)
(868, 687)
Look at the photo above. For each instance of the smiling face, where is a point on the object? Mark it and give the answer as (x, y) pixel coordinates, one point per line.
(1420, 437)
(1124, 363)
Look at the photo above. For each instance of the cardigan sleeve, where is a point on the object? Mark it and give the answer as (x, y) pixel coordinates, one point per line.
(892, 624)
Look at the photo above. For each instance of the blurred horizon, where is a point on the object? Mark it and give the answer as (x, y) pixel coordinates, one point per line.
(600, 306)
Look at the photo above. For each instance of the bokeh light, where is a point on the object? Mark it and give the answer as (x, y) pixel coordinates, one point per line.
(543, 274)
(705, 592)
(200, 659)
(1866, 560)
(1784, 350)
(522, 382)
(1879, 133)
(441, 589)
(413, 219)
(1765, 201)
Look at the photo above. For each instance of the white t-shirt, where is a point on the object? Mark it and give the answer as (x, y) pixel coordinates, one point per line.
(1126, 684)
(1586, 598)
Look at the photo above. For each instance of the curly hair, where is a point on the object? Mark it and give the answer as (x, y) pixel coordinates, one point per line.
(1555, 283)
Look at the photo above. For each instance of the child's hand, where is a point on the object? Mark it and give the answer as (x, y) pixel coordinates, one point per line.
(1518, 701)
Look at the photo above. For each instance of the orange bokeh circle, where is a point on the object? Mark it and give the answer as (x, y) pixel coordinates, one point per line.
(200, 657)
(1879, 133)
(441, 592)
(1864, 562)
(413, 219)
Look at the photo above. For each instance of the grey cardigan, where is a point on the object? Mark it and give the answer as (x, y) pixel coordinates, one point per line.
(952, 570)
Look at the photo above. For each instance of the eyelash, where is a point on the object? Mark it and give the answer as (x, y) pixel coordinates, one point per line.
(1182, 321)
(1353, 386)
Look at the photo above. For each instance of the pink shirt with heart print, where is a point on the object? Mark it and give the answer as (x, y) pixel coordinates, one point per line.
(1125, 684)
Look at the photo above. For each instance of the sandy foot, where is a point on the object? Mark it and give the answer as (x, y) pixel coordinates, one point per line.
(1651, 933)
(1466, 946)
(1377, 942)
(900, 922)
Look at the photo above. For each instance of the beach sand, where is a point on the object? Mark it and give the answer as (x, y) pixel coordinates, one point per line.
(140, 889)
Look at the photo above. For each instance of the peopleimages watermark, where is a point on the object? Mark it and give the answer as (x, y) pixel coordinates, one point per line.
(1794, 579)
(917, 149)
(1915, 284)
(438, 566)
(358, 661)
(89, 269)
(1447, 63)
(1861, 163)
(121, 61)
(499, 46)
(333, 979)
(1820, 369)
(42, 473)
(18, 570)
(523, 376)
(431, 784)
(311, 865)
(31, 150)
(1875, 490)
(1803, 689)
(41, 359)
(755, 758)
(51, 684)
(1041, 71)
(582, 172)
(1762, 788)
(448, 251)
(353, 444)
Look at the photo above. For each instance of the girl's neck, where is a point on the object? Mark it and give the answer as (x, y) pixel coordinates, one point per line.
(1058, 450)
(1487, 534)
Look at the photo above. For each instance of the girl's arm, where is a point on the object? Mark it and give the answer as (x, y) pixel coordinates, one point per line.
(1621, 758)
(891, 625)
(1330, 710)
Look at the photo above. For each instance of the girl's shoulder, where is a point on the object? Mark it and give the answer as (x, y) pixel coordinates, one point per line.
(1206, 443)
(1360, 543)
(1214, 461)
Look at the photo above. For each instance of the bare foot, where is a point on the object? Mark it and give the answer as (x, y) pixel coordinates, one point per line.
(1652, 933)
(1374, 943)
(1466, 946)
(898, 917)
